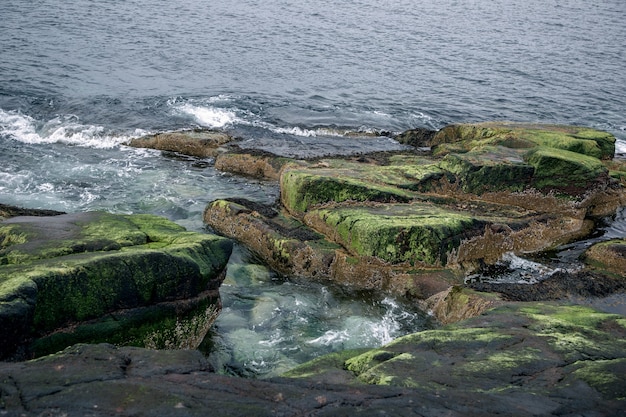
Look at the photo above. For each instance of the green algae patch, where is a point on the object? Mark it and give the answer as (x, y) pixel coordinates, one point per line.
(302, 189)
(606, 376)
(582, 140)
(319, 366)
(102, 263)
(421, 234)
(564, 170)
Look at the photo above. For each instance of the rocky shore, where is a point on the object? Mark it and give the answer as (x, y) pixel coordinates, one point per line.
(413, 223)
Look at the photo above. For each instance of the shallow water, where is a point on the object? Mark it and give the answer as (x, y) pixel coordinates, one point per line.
(79, 79)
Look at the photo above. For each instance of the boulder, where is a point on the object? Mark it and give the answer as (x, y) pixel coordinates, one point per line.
(92, 277)
(197, 143)
(251, 163)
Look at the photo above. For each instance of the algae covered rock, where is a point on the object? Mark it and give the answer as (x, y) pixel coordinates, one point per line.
(127, 279)
(548, 352)
(394, 218)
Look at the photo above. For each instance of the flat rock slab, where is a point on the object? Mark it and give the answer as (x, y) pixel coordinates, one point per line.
(62, 272)
(549, 359)
(485, 368)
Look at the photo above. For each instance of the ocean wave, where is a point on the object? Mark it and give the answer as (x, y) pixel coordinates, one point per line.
(61, 129)
(225, 111)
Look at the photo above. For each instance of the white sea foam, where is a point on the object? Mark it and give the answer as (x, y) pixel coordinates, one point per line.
(533, 271)
(330, 338)
(620, 147)
(208, 116)
(61, 129)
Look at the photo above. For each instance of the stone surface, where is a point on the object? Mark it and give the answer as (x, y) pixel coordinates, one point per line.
(413, 223)
(251, 163)
(488, 367)
(136, 279)
(608, 257)
(198, 143)
(550, 359)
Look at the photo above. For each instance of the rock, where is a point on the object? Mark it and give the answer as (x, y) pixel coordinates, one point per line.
(413, 224)
(609, 257)
(251, 163)
(458, 303)
(419, 138)
(103, 380)
(6, 212)
(548, 359)
(291, 248)
(198, 143)
(523, 136)
(92, 277)
(558, 286)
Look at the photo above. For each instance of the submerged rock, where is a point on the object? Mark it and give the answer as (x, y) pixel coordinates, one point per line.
(412, 223)
(92, 277)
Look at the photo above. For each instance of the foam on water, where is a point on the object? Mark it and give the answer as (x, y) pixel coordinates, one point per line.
(620, 148)
(208, 116)
(61, 129)
(512, 268)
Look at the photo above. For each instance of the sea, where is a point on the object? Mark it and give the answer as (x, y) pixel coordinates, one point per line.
(79, 79)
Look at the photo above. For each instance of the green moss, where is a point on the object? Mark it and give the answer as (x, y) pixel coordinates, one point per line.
(301, 189)
(606, 376)
(323, 364)
(10, 236)
(577, 332)
(504, 361)
(399, 233)
(562, 170)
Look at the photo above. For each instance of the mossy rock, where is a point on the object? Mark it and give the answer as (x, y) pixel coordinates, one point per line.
(420, 234)
(582, 140)
(538, 349)
(65, 270)
(489, 168)
(302, 189)
(563, 170)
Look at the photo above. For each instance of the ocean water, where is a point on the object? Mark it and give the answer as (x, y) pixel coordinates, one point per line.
(78, 79)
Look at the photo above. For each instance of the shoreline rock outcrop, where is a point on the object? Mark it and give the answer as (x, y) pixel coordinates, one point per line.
(93, 277)
(414, 223)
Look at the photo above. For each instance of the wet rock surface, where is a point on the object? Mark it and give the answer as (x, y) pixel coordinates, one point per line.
(414, 223)
(198, 143)
(136, 279)
(519, 360)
